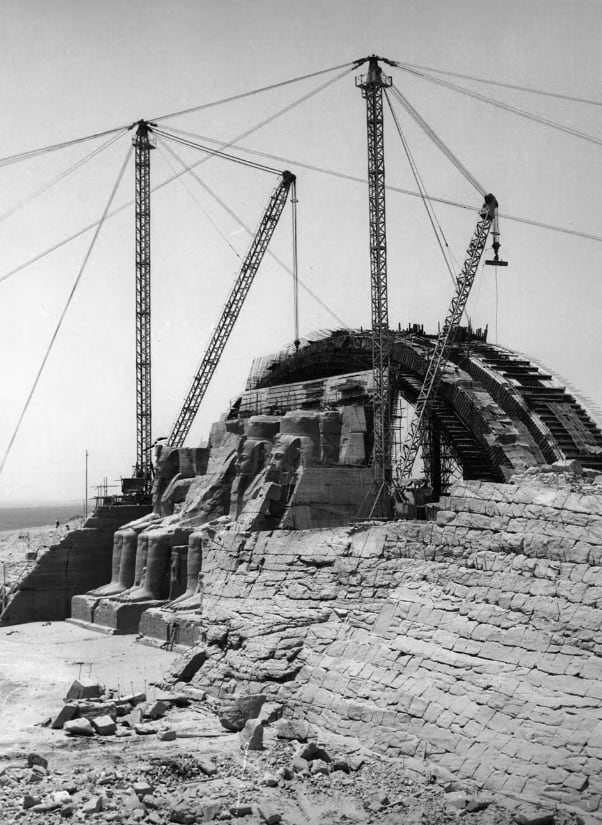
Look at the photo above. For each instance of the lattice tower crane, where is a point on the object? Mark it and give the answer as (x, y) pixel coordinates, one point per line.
(445, 341)
(371, 85)
(143, 143)
(231, 310)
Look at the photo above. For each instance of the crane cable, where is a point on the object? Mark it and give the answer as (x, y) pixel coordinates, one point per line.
(65, 173)
(436, 226)
(434, 198)
(10, 159)
(222, 145)
(504, 106)
(430, 133)
(501, 84)
(350, 66)
(66, 307)
(183, 181)
(216, 152)
(250, 232)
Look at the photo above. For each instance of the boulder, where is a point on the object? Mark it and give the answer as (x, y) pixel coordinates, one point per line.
(268, 812)
(293, 729)
(79, 727)
(84, 689)
(251, 736)
(36, 759)
(104, 725)
(234, 716)
(67, 712)
(157, 710)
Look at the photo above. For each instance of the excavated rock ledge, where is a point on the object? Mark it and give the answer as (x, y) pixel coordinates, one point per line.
(473, 642)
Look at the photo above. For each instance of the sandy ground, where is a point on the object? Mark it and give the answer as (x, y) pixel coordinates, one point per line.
(39, 661)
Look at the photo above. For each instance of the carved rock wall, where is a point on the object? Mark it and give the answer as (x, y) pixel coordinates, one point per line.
(474, 641)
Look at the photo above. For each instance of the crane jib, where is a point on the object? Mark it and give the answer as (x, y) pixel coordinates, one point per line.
(231, 311)
(445, 340)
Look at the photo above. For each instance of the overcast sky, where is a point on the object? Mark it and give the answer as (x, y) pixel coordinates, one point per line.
(72, 68)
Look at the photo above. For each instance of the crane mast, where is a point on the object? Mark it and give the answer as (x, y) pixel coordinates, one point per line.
(143, 143)
(231, 311)
(372, 85)
(445, 340)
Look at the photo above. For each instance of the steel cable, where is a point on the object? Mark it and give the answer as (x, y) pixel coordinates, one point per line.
(504, 106)
(250, 232)
(501, 84)
(242, 95)
(60, 177)
(216, 152)
(430, 133)
(222, 145)
(188, 189)
(437, 199)
(66, 307)
(10, 159)
(422, 189)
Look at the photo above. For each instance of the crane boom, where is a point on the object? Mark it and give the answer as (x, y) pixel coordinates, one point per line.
(445, 340)
(231, 311)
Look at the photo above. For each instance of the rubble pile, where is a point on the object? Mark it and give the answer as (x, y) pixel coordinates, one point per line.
(296, 776)
(89, 710)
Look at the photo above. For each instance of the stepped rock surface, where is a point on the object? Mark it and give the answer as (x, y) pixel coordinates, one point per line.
(473, 641)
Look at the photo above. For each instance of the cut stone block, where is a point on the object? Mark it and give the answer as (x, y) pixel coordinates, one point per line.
(79, 727)
(84, 689)
(104, 725)
(251, 736)
(66, 713)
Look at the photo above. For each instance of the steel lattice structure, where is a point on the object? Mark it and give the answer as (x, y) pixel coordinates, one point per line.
(231, 311)
(432, 379)
(372, 85)
(143, 144)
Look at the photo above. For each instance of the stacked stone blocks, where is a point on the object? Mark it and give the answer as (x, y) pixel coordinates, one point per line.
(474, 642)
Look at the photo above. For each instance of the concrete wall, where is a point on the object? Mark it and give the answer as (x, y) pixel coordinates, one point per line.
(474, 642)
(80, 562)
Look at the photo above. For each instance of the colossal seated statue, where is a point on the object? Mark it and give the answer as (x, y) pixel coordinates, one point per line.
(250, 462)
(190, 599)
(153, 556)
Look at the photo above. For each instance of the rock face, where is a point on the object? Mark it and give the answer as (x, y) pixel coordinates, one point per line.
(81, 561)
(473, 642)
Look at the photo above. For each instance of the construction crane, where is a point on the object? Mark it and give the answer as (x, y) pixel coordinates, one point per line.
(445, 340)
(143, 143)
(371, 85)
(231, 311)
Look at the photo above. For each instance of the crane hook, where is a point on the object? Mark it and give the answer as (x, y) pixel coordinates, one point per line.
(496, 260)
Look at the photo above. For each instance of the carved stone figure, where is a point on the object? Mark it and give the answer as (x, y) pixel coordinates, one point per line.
(190, 600)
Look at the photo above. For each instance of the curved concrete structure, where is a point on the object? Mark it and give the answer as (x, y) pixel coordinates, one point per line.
(498, 411)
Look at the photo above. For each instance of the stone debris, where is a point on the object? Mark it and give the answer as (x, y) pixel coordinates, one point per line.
(293, 729)
(104, 725)
(79, 727)
(235, 715)
(268, 812)
(84, 689)
(251, 736)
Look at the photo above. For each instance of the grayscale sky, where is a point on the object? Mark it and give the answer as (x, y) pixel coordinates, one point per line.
(73, 67)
